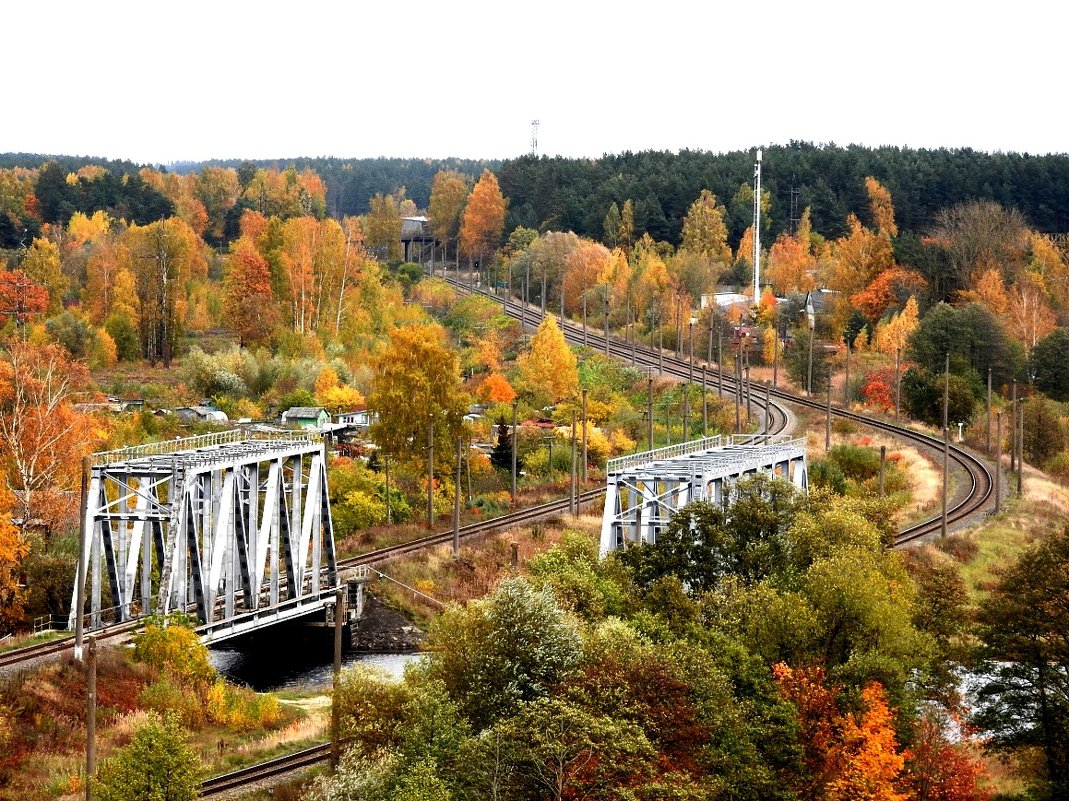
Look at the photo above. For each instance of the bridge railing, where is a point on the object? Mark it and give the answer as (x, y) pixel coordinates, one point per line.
(621, 463)
(662, 454)
(214, 439)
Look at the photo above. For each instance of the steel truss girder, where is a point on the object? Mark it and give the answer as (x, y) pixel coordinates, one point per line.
(643, 494)
(242, 527)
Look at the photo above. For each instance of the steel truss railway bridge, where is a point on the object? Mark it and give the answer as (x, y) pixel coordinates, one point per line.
(233, 527)
(645, 489)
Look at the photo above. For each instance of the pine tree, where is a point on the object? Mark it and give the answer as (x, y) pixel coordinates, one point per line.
(501, 455)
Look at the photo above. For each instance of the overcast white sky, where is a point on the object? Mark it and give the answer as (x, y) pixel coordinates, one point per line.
(156, 81)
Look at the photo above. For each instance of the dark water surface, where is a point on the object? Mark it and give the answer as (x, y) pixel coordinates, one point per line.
(293, 657)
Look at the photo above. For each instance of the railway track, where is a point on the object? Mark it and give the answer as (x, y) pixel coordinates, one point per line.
(271, 769)
(978, 488)
(61, 645)
(979, 479)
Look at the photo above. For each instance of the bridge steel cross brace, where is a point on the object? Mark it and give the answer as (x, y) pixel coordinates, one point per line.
(645, 490)
(227, 526)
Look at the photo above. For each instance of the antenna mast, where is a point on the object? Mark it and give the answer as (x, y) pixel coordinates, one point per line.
(534, 138)
(757, 229)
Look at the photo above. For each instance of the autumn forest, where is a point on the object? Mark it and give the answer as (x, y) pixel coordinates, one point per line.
(786, 652)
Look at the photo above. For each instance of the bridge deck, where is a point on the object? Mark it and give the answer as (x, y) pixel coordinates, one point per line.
(646, 489)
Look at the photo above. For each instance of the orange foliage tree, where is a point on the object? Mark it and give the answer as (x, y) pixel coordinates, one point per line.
(483, 219)
(988, 288)
(21, 297)
(42, 436)
(248, 298)
(583, 267)
(891, 288)
(849, 756)
(13, 548)
(495, 388)
(883, 211)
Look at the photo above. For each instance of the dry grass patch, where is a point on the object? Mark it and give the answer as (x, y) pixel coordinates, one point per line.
(481, 565)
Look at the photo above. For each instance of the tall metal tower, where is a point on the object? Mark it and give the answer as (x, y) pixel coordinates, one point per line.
(534, 138)
(757, 229)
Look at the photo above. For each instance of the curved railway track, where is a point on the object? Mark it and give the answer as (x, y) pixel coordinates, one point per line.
(977, 494)
(979, 479)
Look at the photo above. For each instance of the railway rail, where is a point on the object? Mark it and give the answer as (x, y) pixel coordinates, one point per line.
(979, 477)
(976, 495)
(779, 419)
(271, 769)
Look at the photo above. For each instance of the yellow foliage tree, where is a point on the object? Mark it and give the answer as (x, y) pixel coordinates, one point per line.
(1047, 260)
(549, 368)
(42, 263)
(1029, 314)
(883, 211)
(340, 399)
(704, 230)
(893, 335)
(13, 548)
(417, 381)
(990, 290)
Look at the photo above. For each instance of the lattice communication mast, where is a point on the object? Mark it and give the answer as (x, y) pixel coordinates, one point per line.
(534, 138)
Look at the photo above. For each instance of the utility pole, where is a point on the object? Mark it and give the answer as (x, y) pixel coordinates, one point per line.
(846, 380)
(768, 409)
(738, 395)
(574, 485)
(809, 372)
(456, 503)
(998, 461)
(584, 319)
(709, 348)
(389, 506)
(898, 382)
(748, 386)
(1020, 452)
(335, 707)
(827, 419)
(757, 230)
(514, 402)
(649, 409)
(883, 466)
(79, 584)
(946, 479)
(583, 475)
(606, 326)
(987, 449)
(705, 403)
(1013, 427)
(91, 718)
(946, 392)
(720, 361)
(686, 413)
(430, 475)
(775, 355)
(660, 348)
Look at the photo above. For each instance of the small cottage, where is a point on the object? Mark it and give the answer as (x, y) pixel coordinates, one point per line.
(313, 418)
